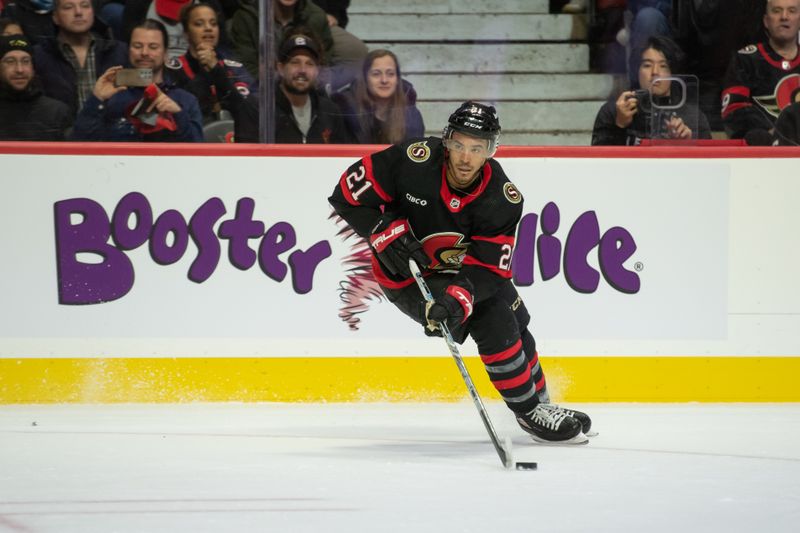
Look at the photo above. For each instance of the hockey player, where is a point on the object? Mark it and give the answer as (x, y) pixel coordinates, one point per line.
(764, 78)
(448, 205)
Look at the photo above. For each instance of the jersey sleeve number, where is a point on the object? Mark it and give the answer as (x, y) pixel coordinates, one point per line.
(354, 184)
(505, 258)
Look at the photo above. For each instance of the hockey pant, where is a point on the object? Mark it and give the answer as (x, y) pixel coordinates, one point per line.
(499, 326)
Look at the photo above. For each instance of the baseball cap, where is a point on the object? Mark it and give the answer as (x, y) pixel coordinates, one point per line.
(170, 9)
(298, 41)
(9, 43)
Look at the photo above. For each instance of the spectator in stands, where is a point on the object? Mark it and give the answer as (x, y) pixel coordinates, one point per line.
(168, 12)
(111, 13)
(25, 113)
(158, 112)
(710, 31)
(762, 78)
(625, 120)
(787, 127)
(207, 71)
(643, 19)
(379, 108)
(10, 27)
(304, 114)
(70, 63)
(649, 17)
(34, 16)
(289, 15)
(348, 51)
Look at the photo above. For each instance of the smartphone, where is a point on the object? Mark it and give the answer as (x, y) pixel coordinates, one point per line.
(134, 77)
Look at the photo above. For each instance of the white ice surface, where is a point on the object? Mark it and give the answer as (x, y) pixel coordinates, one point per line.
(393, 467)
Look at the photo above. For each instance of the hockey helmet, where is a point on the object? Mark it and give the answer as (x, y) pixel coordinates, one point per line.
(476, 120)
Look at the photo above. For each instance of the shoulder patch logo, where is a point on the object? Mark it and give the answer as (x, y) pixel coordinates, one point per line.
(749, 49)
(174, 63)
(512, 194)
(419, 152)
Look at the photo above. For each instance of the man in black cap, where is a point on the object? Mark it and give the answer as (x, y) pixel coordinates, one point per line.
(25, 113)
(304, 114)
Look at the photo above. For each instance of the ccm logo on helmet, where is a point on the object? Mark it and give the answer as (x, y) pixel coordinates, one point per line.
(418, 201)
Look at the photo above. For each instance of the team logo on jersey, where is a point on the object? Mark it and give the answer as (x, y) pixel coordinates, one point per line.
(446, 250)
(174, 63)
(512, 194)
(787, 92)
(242, 87)
(419, 152)
(749, 49)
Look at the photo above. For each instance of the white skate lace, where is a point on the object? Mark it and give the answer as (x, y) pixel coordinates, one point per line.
(553, 408)
(549, 418)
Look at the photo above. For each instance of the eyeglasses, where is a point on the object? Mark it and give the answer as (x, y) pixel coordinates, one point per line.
(476, 150)
(13, 62)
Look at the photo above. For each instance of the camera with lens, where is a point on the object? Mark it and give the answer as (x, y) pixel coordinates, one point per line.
(643, 98)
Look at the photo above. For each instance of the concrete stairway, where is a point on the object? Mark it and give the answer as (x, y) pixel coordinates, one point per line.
(532, 65)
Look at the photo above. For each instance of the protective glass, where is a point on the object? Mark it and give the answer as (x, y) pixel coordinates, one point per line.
(481, 151)
(673, 109)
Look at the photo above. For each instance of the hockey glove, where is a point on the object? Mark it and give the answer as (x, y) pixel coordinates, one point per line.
(394, 244)
(454, 307)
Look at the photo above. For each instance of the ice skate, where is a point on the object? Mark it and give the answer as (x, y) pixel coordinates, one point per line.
(583, 418)
(551, 426)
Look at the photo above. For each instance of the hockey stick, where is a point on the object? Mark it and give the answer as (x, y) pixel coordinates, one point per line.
(503, 451)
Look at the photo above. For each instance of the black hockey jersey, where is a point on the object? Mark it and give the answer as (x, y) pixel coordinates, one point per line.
(471, 233)
(758, 85)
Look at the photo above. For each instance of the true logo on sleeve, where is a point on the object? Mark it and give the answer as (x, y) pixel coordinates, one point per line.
(512, 194)
(419, 152)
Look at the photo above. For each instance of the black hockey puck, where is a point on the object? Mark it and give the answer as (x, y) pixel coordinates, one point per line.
(526, 466)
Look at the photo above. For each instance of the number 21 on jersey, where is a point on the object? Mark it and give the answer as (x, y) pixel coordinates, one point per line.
(356, 183)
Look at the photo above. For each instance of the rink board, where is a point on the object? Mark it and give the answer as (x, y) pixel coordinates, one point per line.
(177, 273)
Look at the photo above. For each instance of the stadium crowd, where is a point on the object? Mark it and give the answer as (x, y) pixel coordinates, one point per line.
(186, 71)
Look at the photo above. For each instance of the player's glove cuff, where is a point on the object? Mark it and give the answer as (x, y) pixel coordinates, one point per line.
(394, 244)
(455, 306)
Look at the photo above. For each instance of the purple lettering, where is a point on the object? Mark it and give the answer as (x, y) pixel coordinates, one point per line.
(583, 236)
(305, 263)
(172, 223)
(88, 283)
(127, 238)
(522, 261)
(201, 228)
(94, 268)
(238, 231)
(616, 247)
(549, 247)
(278, 239)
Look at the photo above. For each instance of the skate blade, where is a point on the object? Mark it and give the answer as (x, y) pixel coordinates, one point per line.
(580, 438)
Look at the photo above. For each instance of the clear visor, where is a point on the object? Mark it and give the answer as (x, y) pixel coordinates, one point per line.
(479, 150)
